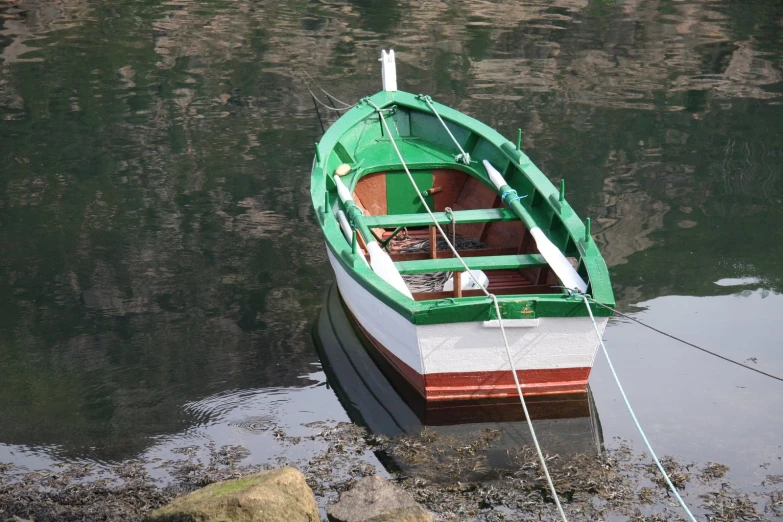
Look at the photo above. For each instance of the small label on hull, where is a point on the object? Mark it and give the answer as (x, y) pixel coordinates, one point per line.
(511, 323)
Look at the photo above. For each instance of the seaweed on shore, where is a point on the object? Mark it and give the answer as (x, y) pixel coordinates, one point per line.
(456, 478)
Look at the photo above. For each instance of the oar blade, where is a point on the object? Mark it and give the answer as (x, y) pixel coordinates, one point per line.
(558, 262)
(382, 264)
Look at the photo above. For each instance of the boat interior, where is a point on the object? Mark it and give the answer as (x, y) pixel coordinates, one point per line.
(487, 234)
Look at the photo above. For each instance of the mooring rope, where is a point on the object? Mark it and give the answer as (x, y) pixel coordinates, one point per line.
(630, 410)
(330, 96)
(329, 107)
(683, 341)
(494, 299)
(463, 156)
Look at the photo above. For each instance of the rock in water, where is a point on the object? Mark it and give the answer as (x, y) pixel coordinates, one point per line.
(270, 496)
(373, 499)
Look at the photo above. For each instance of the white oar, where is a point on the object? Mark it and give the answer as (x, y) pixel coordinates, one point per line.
(553, 256)
(380, 262)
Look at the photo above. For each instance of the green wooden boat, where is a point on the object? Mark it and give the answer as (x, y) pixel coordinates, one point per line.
(389, 170)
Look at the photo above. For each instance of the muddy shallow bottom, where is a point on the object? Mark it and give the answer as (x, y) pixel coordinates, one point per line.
(618, 484)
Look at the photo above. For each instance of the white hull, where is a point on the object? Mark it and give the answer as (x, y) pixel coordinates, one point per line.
(545, 345)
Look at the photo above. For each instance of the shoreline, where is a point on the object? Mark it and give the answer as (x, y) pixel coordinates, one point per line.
(451, 478)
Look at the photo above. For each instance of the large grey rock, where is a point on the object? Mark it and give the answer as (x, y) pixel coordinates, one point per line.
(373, 499)
(270, 496)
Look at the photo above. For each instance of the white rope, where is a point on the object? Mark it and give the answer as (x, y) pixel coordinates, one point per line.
(329, 107)
(335, 98)
(633, 415)
(497, 311)
(463, 156)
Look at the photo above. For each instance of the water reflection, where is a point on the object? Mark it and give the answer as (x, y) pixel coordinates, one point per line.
(565, 425)
(158, 242)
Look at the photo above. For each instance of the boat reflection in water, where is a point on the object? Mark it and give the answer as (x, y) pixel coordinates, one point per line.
(565, 424)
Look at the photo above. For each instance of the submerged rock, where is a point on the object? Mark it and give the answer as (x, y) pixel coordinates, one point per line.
(373, 499)
(269, 496)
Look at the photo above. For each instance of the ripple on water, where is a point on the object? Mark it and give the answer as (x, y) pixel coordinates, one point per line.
(231, 407)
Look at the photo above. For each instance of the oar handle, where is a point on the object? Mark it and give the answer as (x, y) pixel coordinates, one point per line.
(500, 183)
(380, 262)
(553, 255)
(354, 213)
(342, 190)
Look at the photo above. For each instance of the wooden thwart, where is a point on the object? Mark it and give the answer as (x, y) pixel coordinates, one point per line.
(511, 290)
(475, 252)
(425, 266)
(461, 217)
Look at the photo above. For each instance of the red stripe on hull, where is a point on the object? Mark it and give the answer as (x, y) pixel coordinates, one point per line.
(411, 376)
(481, 385)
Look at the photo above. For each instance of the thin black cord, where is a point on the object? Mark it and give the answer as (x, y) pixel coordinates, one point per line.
(323, 130)
(348, 105)
(315, 98)
(684, 341)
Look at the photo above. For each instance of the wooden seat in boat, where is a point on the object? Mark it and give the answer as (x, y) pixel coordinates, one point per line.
(461, 217)
(452, 264)
(507, 254)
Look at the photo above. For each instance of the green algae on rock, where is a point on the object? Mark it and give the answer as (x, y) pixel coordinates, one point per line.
(269, 496)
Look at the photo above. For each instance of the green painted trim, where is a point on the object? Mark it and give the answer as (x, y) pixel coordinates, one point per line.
(358, 132)
(461, 217)
(452, 264)
(401, 196)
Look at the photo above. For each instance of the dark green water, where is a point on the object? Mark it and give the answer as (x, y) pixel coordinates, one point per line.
(159, 264)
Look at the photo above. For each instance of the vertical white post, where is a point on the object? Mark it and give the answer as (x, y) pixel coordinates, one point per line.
(388, 70)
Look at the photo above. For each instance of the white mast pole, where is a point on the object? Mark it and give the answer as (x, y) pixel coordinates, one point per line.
(388, 70)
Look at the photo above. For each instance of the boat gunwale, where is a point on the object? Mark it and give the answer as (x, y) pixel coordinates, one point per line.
(464, 308)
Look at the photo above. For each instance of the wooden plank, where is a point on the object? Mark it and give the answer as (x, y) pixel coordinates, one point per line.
(371, 190)
(462, 217)
(433, 242)
(457, 284)
(515, 290)
(475, 195)
(475, 263)
(451, 182)
(475, 252)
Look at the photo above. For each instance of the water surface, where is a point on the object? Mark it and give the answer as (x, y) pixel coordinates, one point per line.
(160, 265)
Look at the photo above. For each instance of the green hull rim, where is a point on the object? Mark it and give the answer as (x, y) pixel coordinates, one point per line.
(358, 139)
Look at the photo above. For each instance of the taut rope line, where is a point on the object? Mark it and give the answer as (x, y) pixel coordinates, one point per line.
(633, 415)
(463, 156)
(326, 106)
(489, 295)
(683, 341)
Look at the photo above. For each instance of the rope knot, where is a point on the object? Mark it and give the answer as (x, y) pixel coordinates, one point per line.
(463, 157)
(352, 212)
(512, 196)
